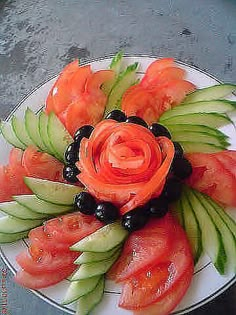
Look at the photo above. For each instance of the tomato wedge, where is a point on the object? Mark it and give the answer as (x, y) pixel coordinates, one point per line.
(42, 165)
(214, 174)
(46, 262)
(143, 248)
(168, 302)
(42, 280)
(147, 287)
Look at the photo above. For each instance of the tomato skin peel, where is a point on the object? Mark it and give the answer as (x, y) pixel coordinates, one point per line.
(124, 163)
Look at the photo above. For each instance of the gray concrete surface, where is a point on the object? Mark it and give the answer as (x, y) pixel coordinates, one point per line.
(37, 38)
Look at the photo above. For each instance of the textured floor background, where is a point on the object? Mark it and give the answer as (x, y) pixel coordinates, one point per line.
(37, 38)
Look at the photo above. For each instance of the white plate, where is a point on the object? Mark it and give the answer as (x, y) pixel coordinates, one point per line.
(206, 284)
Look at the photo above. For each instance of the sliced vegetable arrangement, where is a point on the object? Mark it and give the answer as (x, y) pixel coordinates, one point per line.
(124, 178)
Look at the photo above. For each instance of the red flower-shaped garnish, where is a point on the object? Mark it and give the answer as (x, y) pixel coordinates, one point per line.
(124, 163)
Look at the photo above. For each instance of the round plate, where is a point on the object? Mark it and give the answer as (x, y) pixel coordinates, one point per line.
(206, 284)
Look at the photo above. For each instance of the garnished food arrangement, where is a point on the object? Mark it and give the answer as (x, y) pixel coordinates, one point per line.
(121, 177)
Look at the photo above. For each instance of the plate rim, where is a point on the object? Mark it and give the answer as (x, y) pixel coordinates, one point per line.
(41, 295)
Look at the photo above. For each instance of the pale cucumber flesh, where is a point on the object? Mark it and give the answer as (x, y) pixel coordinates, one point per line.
(10, 225)
(59, 137)
(213, 120)
(124, 81)
(79, 288)
(9, 135)
(12, 237)
(14, 209)
(212, 245)
(191, 226)
(88, 257)
(32, 128)
(215, 106)
(192, 146)
(40, 206)
(54, 192)
(227, 237)
(95, 268)
(103, 239)
(210, 93)
(42, 126)
(87, 302)
(19, 129)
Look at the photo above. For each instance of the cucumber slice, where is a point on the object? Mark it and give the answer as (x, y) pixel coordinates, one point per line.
(42, 126)
(14, 209)
(87, 302)
(54, 192)
(124, 81)
(9, 135)
(191, 146)
(176, 210)
(103, 240)
(79, 288)
(227, 218)
(196, 128)
(191, 226)
(31, 125)
(95, 268)
(213, 120)
(33, 203)
(115, 66)
(215, 106)
(18, 127)
(13, 237)
(11, 225)
(88, 257)
(210, 93)
(201, 137)
(211, 237)
(58, 135)
(228, 239)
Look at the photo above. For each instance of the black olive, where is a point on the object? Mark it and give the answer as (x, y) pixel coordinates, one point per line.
(136, 120)
(172, 189)
(179, 152)
(182, 168)
(84, 131)
(70, 173)
(159, 130)
(135, 219)
(158, 207)
(117, 115)
(106, 212)
(71, 153)
(85, 203)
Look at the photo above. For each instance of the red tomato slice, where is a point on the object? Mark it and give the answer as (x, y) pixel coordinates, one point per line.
(5, 193)
(46, 262)
(72, 227)
(138, 101)
(176, 90)
(40, 241)
(95, 81)
(143, 249)
(164, 76)
(42, 280)
(89, 108)
(42, 165)
(168, 302)
(60, 233)
(154, 68)
(216, 181)
(68, 87)
(150, 285)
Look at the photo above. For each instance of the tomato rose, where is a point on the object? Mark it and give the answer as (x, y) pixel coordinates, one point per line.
(124, 163)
